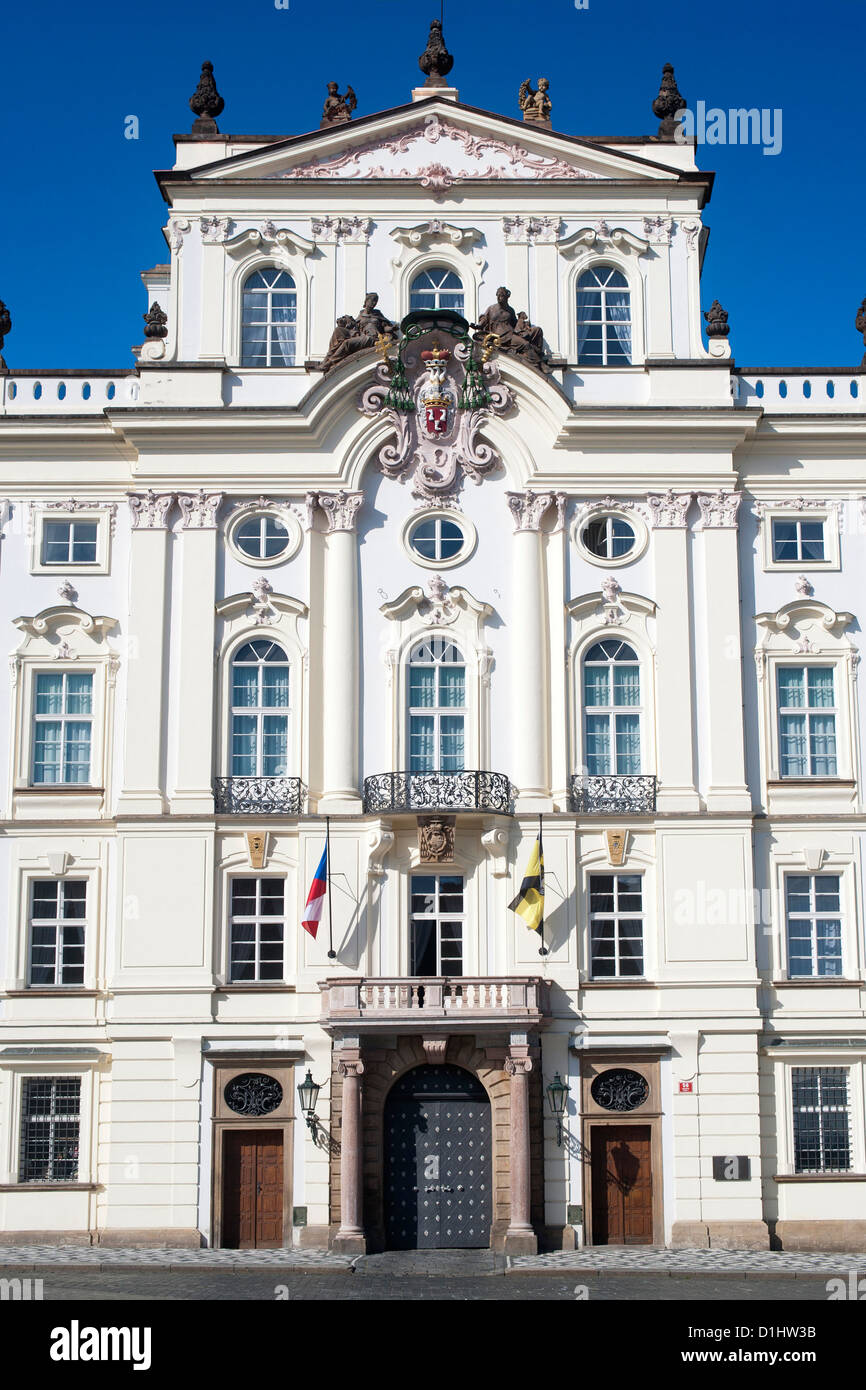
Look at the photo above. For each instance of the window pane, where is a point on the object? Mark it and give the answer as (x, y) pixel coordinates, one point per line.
(596, 685)
(451, 743)
(626, 684)
(79, 694)
(820, 682)
(452, 686)
(598, 752)
(792, 687)
(422, 687)
(49, 694)
(627, 744)
(421, 743)
(793, 761)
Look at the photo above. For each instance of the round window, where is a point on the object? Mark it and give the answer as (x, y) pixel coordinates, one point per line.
(608, 537)
(438, 538)
(253, 1094)
(619, 1089)
(262, 537)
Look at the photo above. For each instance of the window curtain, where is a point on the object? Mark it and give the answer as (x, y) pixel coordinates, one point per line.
(588, 310)
(244, 745)
(451, 743)
(628, 744)
(820, 680)
(596, 686)
(822, 739)
(283, 319)
(626, 685)
(598, 752)
(421, 743)
(275, 733)
(619, 317)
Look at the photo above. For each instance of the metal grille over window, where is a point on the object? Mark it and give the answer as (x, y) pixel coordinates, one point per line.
(253, 1094)
(50, 1121)
(270, 313)
(619, 1089)
(57, 924)
(822, 1130)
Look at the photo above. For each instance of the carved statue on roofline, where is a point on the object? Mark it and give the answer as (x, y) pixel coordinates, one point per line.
(5, 327)
(536, 106)
(337, 109)
(859, 324)
(353, 335)
(514, 333)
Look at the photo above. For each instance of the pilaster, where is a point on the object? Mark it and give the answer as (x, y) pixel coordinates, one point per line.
(727, 790)
(676, 760)
(193, 781)
(340, 654)
(520, 1238)
(530, 654)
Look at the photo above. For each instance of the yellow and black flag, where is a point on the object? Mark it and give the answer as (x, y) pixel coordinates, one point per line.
(529, 903)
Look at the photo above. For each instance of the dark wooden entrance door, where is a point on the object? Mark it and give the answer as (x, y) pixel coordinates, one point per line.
(438, 1161)
(253, 1189)
(622, 1196)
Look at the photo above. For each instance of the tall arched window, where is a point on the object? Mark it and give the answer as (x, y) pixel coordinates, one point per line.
(260, 710)
(270, 311)
(603, 318)
(437, 707)
(436, 288)
(612, 708)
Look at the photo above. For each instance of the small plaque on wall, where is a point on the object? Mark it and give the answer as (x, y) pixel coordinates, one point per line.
(731, 1168)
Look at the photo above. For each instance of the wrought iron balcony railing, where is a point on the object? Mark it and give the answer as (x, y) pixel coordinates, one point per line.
(438, 791)
(260, 796)
(616, 794)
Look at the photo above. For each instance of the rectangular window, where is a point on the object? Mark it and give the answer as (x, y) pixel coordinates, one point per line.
(69, 542)
(797, 542)
(257, 930)
(62, 724)
(616, 925)
(812, 909)
(436, 924)
(807, 721)
(822, 1140)
(50, 1122)
(58, 909)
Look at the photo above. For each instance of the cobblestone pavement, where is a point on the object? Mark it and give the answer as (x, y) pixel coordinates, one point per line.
(176, 1285)
(651, 1259)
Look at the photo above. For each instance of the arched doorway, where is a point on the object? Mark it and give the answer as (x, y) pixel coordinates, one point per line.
(438, 1170)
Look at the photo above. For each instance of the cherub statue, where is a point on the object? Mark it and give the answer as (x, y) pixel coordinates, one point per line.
(859, 324)
(337, 110)
(536, 106)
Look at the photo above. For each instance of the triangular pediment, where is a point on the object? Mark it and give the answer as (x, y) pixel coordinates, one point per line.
(435, 144)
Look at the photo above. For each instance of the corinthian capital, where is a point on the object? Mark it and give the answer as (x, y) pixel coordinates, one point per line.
(199, 510)
(669, 509)
(341, 509)
(149, 509)
(528, 508)
(719, 508)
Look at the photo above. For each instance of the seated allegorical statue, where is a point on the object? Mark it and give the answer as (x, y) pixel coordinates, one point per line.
(516, 334)
(353, 335)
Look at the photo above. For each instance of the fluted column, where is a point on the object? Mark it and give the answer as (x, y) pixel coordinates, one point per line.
(341, 624)
(529, 769)
(192, 791)
(675, 685)
(727, 790)
(350, 1237)
(520, 1238)
(143, 792)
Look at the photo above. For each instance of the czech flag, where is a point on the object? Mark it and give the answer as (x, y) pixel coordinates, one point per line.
(316, 896)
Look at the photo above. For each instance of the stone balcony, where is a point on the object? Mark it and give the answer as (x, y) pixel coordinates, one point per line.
(449, 792)
(446, 1004)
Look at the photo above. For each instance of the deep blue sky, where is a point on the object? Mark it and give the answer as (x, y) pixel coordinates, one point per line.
(82, 212)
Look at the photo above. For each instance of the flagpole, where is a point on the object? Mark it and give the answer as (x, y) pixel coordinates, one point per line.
(332, 954)
(542, 950)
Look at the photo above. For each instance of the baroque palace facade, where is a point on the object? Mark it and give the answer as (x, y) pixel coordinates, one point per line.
(409, 574)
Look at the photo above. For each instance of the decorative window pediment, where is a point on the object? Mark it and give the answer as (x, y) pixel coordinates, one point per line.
(610, 607)
(802, 626)
(261, 606)
(602, 237)
(438, 605)
(63, 631)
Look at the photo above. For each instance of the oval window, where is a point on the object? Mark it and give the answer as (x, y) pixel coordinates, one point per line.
(619, 1089)
(437, 538)
(609, 537)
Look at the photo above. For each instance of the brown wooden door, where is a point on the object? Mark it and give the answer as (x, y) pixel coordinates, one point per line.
(253, 1189)
(622, 1196)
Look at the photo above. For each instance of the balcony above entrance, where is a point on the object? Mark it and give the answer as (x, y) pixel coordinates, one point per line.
(260, 796)
(453, 1004)
(614, 795)
(438, 791)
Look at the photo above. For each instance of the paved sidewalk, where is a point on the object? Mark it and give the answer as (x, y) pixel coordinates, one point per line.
(656, 1260)
(106, 1257)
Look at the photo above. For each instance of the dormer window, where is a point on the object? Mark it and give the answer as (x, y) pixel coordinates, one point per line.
(603, 318)
(436, 288)
(270, 312)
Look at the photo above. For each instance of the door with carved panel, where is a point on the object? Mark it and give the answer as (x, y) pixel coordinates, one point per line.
(438, 1166)
(253, 1190)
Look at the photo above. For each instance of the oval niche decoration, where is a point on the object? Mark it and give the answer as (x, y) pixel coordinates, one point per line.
(619, 1089)
(253, 1093)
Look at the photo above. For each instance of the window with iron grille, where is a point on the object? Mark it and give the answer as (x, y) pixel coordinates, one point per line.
(822, 1130)
(50, 1124)
(616, 925)
(58, 909)
(257, 930)
(812, 909)
(437, 925)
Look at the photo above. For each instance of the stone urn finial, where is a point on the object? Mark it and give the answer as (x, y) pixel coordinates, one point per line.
(669, 102)
(859, 324)
(717, 321)
(436, 62)
(5, 327)
(155, 321)
(206, 103)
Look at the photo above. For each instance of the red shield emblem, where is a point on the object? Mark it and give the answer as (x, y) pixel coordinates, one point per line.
(436, 419)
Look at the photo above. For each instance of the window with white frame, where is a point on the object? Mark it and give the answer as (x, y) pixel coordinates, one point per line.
(797, 540)
(50, 1128)
(436, 696)
(258, 924)
(436, 925)
(807, 721)
(612, 708)
(814, 922)
(436, 288)
(603, 318)
(58, 913)
(616, 926)
(69, 542)
(62, 727)
(822, 1121)
(260, 710)
(262, 537)
(608, 537)
(437, 538)
(270, 312)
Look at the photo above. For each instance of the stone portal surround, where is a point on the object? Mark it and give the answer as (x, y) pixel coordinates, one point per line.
(382, 1068)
